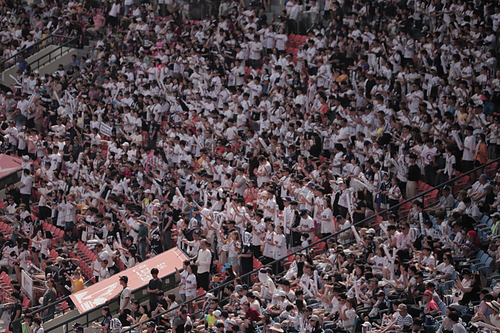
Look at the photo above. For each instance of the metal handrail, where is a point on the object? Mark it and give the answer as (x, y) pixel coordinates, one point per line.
(35, 48)
(59, 48)
(198, 298)
(40, 310)
(133, 327)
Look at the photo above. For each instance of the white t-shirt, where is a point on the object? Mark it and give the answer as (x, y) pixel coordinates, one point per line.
(326, 221)
(184, 276)
(44, 247)
(469, 142)
(125, 293)
(190, 283)
(279, 252)
(115, 9)
(443, 269)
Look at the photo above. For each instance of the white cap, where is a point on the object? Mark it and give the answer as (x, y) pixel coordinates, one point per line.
(433, 68)
(370, 231)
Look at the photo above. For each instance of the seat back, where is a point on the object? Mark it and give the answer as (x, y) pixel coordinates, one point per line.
(484, 257)
(488, 263)
(442, 308)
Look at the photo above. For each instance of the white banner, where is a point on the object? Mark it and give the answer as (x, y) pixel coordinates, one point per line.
(27, 285)
(105, 129)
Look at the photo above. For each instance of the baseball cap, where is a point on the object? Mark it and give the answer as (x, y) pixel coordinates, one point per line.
(428, 293)
(124, 278)
(402, 307)
(151, 324)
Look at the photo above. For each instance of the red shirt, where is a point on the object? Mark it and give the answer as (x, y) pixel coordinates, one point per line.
(432, 305)
(252, 315)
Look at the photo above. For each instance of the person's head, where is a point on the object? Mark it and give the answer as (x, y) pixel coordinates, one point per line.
(402, 309)
(106, 312)
(453, 317)
(313, 320)
(150, 327)
(159, 295)
(28, 318)
(351, 303)
(143, 309)
(448, 259)
(493, 307)
(123, 280)
(154, 273)
(427, 296)
(405, 227)
(15, 295)
(37, 321)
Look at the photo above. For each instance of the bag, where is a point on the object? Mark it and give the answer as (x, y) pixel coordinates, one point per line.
(429, 320)
(115, 325)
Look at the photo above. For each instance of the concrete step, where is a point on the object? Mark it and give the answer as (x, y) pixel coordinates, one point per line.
(50, 58)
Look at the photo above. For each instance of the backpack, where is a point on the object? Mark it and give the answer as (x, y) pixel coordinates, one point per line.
(115, 325)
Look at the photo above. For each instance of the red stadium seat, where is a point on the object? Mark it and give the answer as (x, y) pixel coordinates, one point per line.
(256, 263)
(491, 169)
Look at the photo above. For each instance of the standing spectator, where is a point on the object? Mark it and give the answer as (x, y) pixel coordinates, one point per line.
(25, 188)
(15, 324)
(203, 261)
(155, 285)
(125, 302)
(413, 176)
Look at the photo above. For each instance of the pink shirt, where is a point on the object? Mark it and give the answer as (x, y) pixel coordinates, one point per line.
(404, 241)
(99, 21)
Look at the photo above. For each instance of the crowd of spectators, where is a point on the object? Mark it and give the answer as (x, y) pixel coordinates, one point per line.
(238, 141)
